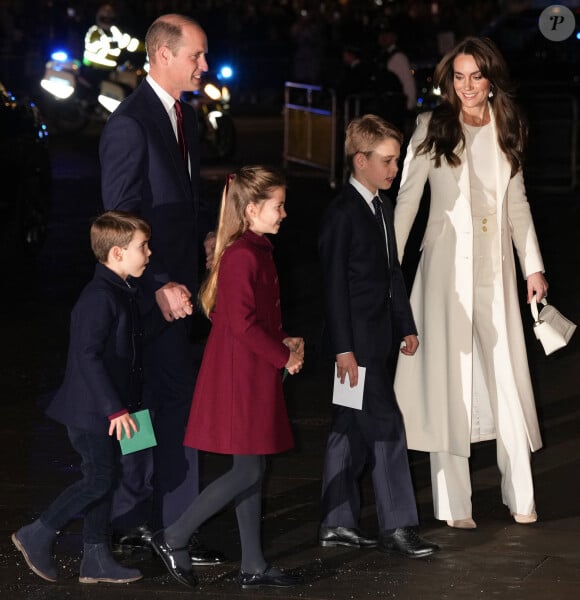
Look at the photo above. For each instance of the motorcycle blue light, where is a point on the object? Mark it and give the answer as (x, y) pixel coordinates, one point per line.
(226, 72)
(59, 56)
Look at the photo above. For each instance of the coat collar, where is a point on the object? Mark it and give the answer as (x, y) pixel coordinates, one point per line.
(261, 241)
(103, 273)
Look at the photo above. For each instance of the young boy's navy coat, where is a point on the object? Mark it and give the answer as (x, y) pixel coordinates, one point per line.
(103, 373)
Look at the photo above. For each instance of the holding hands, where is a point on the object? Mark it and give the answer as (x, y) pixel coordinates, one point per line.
(296, 360)
(174, 300)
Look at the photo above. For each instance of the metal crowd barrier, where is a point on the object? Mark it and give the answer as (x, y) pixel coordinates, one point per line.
(310, 127)
(315, 121)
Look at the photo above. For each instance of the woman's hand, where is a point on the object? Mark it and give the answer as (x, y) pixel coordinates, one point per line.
(538, 285)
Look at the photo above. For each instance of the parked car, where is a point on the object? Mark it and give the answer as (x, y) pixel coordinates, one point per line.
(26, 173)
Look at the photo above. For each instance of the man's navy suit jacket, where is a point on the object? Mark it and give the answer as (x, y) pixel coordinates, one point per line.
(144, 173)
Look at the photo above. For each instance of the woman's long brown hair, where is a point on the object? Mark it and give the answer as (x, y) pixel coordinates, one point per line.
(445, 137)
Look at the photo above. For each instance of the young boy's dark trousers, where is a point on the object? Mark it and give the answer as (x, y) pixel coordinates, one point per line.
(90, 495)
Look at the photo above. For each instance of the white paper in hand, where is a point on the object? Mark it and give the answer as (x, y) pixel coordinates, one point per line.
(344, 395)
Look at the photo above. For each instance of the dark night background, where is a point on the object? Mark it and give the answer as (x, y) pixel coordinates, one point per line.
(499, 560)
(260, 38)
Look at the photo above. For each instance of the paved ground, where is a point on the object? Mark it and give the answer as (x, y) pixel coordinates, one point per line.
(498, 560)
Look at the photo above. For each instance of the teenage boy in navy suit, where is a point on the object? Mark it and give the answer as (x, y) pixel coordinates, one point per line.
(367, 311)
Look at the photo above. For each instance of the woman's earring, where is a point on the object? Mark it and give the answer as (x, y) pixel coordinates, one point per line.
(490, 95)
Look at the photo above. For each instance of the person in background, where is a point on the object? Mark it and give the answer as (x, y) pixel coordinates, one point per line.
(104, 41)
(355, 75)
(391, 58)
(104, 45)
(102, 383)
(470, 380)
(149, 152)
(238, 407)
(367, 313)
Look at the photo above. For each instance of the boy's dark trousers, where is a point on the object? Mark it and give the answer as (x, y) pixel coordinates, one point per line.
(374, 436)
(90, 495)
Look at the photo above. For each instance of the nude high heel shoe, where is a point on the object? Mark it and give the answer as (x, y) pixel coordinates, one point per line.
(468, 523)
(525, 519)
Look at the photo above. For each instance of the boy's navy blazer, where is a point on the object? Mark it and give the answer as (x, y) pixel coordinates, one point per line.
(103, 372)
(366, 303)
(143, 173)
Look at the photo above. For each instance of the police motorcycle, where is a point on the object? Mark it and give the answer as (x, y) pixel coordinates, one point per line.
(77, 101)
(217, 130)
(107, 70)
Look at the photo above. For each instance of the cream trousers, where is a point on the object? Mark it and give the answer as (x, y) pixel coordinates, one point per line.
(450, 477)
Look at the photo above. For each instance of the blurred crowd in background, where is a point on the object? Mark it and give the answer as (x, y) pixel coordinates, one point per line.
(269, 41)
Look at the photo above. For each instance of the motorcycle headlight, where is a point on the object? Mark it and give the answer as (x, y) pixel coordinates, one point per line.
(212, 91)
(59, 88)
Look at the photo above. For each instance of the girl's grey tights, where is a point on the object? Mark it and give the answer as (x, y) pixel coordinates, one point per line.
(242, 485)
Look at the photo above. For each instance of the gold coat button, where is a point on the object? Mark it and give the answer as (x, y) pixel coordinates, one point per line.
(484, 228)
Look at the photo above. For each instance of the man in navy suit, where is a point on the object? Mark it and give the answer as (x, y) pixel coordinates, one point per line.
(149, 153)
(367, 310)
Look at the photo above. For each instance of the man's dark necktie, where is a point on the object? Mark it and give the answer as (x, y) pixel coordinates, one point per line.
(180, 136)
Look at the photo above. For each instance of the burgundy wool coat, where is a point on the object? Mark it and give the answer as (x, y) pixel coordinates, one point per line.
(238, 405)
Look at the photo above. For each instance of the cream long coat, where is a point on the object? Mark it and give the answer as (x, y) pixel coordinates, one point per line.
(435, 387)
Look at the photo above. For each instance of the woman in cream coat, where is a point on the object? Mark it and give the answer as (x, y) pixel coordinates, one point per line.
(469, 381)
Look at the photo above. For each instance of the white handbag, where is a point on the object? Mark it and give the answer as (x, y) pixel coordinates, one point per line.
(552, 328)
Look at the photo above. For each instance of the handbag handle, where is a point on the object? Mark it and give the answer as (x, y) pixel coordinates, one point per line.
(534, 307)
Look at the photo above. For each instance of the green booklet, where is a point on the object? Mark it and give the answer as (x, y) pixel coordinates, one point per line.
(143, 438)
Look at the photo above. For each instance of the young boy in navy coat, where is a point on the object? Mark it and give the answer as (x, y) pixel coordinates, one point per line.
(367, 313)
(102, 384)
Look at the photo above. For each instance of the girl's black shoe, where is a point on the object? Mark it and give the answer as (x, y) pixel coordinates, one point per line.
(271, 577)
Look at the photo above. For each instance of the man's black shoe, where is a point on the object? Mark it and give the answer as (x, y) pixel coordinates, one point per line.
(138, 538)
(168, 556)
(344, 536)
(269, 578)
(201, 555)
(407, 542)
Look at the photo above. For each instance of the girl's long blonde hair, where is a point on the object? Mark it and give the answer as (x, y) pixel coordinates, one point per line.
(251, 184)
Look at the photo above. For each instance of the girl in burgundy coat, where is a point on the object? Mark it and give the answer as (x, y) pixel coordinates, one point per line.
(238, 406)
